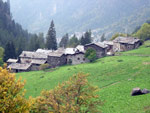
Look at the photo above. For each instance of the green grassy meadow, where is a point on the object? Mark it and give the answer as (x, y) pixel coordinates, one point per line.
(116, 76)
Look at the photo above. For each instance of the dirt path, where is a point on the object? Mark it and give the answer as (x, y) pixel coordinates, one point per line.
(111, 85)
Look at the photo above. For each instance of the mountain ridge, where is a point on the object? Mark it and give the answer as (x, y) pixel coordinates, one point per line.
(74, 16)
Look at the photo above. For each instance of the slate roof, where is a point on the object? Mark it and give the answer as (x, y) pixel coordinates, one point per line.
(19, 66)
(80, 48)
(12, 60)
(34, 61)
(109, 43)
(45, 51)
(30, 54)
(70, 51)
(100, 44)
(56, 54)
(127, 40)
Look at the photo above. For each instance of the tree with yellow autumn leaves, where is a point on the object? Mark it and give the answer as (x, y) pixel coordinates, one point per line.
(11, 94)
(73, 96)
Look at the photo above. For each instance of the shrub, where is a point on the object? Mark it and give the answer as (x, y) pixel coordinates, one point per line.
(144, 32)
(91, 55)
(73, 96)
(11, 95)
(44, 66)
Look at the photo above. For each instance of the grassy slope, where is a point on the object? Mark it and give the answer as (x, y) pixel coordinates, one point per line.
(115, 76)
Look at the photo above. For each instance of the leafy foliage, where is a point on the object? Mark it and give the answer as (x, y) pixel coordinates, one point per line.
(1, 56)
(73, 96)
(91, 54)
(144, 32)
(1, 52)
(11, 95)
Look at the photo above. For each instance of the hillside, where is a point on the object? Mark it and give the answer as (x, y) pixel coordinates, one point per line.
(116, 76)
(102, 16)
(10, 30)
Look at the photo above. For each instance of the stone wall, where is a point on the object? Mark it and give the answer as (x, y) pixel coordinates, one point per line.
(54, 61)
(77, 58)
(120, 47)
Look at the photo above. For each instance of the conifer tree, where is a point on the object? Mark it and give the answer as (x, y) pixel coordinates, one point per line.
(82, 40)
(73, 42)
(86, 39)
(64, 41)
(51, 42)
(10, 51)
(103, 37)
(7, 52)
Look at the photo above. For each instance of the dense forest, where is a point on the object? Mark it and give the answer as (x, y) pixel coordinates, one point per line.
(13, 38)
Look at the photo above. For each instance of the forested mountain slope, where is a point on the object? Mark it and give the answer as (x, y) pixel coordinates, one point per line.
(71, 16)
(9, 29)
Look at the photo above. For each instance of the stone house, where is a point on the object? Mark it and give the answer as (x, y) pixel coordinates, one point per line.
(56, 59)
(18, 67)
(76, 55)
(28, 56)
(109, 45)
(36, 64)
(100, 48)
(125, 44)
(77, 58)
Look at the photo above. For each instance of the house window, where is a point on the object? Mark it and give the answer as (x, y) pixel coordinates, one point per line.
(78, 58)
(83, 59)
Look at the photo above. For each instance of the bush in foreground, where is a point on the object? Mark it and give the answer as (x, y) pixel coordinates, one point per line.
(73, 96)
(11, 95)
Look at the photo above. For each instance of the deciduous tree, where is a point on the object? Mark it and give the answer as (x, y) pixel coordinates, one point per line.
(11, 94)
(91, 55)
(144, 32)
(73, 96)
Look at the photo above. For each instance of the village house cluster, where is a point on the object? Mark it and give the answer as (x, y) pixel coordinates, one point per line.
(31, 61)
